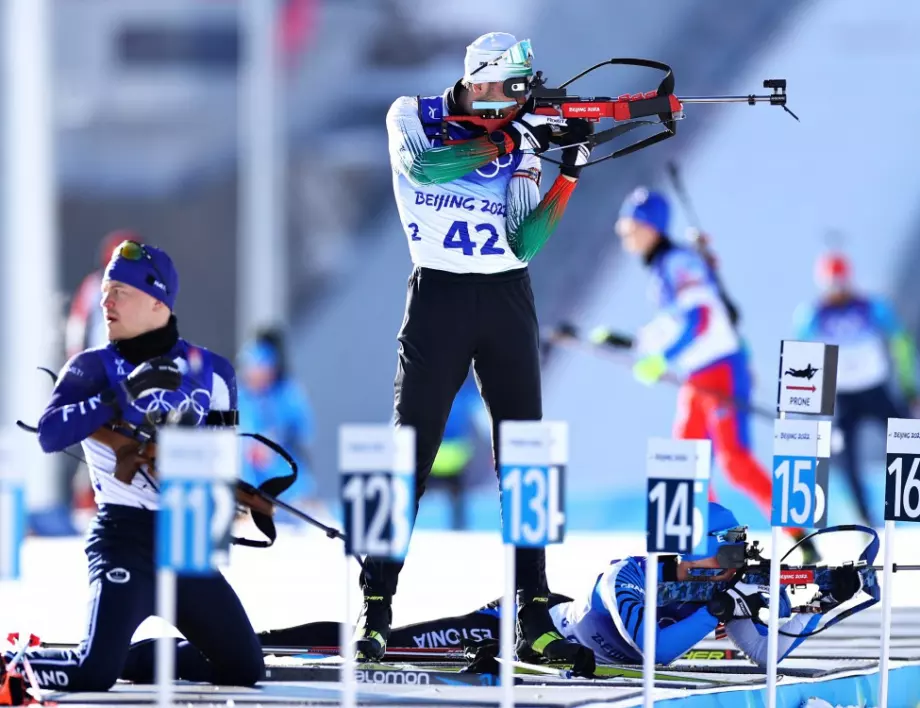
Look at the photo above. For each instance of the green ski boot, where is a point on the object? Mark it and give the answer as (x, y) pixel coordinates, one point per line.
(538, 641)
(373, 629)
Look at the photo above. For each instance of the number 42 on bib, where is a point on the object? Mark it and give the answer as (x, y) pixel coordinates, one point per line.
(458, 236)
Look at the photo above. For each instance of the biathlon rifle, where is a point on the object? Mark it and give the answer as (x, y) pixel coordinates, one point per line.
(628, 110)
(125, 439)
(834, 583)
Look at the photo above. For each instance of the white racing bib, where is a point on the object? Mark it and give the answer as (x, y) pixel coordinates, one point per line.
(456, 227)
(460, 226)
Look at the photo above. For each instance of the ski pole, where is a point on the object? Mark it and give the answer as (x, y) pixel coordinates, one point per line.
(570, 339)
(683, 195)
(294, 511)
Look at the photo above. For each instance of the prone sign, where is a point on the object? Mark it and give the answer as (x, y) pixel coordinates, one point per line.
(807, 378)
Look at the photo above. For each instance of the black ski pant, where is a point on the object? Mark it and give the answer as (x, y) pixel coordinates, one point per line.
(852, 410)
(480, 626)
(450, 321)
(221, 646)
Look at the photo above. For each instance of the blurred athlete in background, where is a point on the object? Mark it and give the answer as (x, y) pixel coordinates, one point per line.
(694, 336)
(273, 403)
(873, 345)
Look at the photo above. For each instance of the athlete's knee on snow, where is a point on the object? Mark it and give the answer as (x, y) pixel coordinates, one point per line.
(244, 667)
(139, 665)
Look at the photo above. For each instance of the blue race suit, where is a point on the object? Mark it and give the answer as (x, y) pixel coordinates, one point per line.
(610, 621)
(221, 645)
(283, 414)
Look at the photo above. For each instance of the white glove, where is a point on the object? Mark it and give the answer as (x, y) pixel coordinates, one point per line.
(530, 131)
(749, 599)
(741, 601)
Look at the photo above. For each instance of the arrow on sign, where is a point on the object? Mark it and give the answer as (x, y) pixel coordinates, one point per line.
(802, 388)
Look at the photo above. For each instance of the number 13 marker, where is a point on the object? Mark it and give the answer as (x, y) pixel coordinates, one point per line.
(532, 459)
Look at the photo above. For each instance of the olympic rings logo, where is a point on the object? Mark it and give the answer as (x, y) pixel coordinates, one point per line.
(497, 164)
(197, 402)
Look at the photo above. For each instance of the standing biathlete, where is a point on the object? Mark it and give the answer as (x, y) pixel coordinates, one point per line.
(473, 217)
(694, 335)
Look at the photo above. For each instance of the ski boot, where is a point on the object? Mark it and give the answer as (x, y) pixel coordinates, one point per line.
(373, 630)
(538, 641)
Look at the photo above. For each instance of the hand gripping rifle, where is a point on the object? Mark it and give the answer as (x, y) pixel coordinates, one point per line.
(753, 568)
(128, 441)
(628, 109)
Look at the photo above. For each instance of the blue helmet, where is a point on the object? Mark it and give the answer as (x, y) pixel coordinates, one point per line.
(648, 207)
(721, 521)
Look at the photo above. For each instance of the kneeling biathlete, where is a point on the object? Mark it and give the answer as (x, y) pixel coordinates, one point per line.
(146, 368)
(609, 619)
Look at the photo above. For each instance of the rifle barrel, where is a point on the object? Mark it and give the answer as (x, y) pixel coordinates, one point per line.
(728, 99)
(896, 567)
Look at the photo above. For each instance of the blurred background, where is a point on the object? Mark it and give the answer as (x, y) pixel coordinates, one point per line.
(247, 139)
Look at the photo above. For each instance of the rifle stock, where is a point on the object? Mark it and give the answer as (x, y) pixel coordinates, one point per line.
(127, 450)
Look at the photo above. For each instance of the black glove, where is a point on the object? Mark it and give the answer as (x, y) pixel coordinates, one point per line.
(158, 373)
(614, 340)
(530, 131)
(566, 330)
(578, 130)
(845, 583)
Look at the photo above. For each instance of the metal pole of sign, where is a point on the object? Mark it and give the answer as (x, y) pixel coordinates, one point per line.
(532, 456)
(506, 630)
(377, 472)
(29, 326)
(806, 385)
(261, 253)
(677, 485)
(773, 621)
(887, 590)
(347, 644)
(650, 631)
(902, 460)
(165, 651)
(197, 469)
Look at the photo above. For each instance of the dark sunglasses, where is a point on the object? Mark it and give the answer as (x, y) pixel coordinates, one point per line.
(134, 251)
